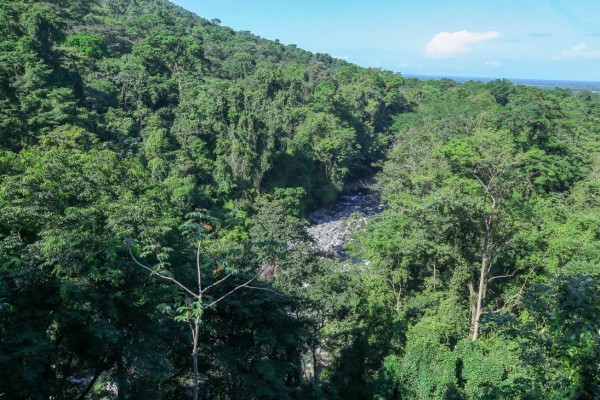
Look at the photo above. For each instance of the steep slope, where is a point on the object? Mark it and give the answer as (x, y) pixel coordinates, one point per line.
(149, 75)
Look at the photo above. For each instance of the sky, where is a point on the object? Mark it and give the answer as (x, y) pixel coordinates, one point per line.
(527, 39)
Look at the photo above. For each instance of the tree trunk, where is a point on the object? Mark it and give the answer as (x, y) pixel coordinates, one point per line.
(482, 281)
(479, 308)
(90, 385)
(195, 359)
(97, 371)
(315, 371)
(472, 305)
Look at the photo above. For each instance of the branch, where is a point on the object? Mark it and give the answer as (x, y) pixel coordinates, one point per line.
(533, 175)
(493, 173)
(517, 297)
(503, 276)
(234, 290)
(216, 283)
(266, 289)
(481, 181)
(493, 311)
(167, 278)
(486, 188)
(506, 240)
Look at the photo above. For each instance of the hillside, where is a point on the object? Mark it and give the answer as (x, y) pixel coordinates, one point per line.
(143, 148)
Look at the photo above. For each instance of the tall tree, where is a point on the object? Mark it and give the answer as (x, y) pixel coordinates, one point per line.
(492, 191)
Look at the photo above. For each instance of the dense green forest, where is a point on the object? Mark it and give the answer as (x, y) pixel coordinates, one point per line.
(143, 147)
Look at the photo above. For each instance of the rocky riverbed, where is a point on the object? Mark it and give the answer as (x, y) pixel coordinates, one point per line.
(331, 228)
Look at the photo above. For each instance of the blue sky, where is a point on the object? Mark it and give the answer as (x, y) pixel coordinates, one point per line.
(541, 39)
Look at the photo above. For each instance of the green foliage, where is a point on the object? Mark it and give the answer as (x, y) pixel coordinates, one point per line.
(88, 45)
(442, 182)
(333, 145)
(123, 119)
(563, 314)
(427, 370)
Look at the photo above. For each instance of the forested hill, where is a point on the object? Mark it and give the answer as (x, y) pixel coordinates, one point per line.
(148, 78)
(142, 146)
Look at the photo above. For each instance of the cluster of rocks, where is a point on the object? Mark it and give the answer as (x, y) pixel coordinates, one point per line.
(332, 228)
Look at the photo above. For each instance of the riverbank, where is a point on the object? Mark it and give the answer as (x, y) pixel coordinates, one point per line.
(333, 227)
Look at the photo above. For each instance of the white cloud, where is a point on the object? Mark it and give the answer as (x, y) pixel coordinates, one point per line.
(493, 64)
(404, 65)
(579, 51)
(449, 44)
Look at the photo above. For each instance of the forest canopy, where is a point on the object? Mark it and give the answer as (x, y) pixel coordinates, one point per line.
(137, 131)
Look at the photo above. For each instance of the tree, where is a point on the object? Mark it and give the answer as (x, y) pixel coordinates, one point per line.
(88, 45)
(466, 202)
(488, 177)
(199, 301)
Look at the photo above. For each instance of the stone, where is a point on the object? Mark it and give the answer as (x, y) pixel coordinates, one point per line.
(334, 227)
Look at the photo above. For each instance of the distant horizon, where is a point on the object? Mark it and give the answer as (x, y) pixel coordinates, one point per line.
(490, 78)
(574, 85)
(552, 40)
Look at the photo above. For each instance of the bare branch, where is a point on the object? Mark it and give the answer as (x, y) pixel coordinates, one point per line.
(266, 289)
(481, 181)
(486, 188)
(493, 173)
(167, 278)
(517, 297)
(493, 311)
(503, 276)
(216, 283)
(243, 285)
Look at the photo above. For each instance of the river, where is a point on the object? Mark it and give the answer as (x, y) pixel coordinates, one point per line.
(333, 227)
